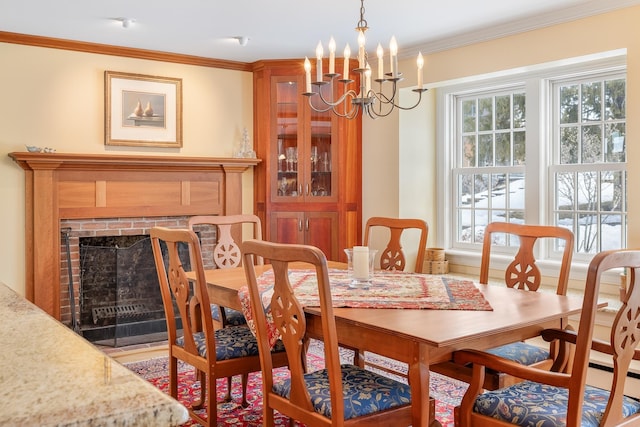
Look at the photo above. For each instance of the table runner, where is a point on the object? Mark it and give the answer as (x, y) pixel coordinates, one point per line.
(388, 289)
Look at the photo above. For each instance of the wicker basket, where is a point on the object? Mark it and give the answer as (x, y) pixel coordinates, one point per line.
(434, 254)
(435, 267)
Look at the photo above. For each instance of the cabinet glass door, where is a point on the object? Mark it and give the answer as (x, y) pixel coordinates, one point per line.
(287, 131)
(321, 155)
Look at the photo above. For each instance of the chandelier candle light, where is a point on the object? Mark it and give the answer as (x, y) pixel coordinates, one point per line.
(350, 102)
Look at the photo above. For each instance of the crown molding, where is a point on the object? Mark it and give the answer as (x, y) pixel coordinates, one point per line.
(127, 52)
(583, 10)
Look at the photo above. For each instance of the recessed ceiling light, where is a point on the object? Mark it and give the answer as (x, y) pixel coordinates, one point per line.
(242, 40)
(126, 22)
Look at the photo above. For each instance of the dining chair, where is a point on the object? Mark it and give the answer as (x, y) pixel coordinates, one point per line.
(215, 353)
(393, 256)
(564, 399)
(339, 394)
(522, 273)
(226, 252)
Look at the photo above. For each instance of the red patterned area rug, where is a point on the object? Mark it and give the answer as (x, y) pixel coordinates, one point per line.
(447, 392)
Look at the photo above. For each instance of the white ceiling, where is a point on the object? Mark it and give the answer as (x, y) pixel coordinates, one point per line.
(287, 28)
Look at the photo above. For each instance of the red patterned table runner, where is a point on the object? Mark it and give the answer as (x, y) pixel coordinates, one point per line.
(388, 289)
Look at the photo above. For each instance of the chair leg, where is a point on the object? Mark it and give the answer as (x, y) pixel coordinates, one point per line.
(201, 377)
(245, 380)
(173, 377)
(227, 397)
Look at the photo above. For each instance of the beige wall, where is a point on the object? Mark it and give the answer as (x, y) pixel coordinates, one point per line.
(55, 98)
(382, 138)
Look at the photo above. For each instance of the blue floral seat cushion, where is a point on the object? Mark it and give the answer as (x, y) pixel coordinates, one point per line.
(232, 342)
(534, 404)
(523, 353)
(234, 317)
(365, 392)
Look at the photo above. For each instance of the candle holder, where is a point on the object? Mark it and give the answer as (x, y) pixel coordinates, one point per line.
(360, 262)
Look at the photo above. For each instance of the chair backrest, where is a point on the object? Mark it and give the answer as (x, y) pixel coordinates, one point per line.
(393, 257)
(624, 341)
(226, 253)
(522, 272)
(190, 297)
(289, 318)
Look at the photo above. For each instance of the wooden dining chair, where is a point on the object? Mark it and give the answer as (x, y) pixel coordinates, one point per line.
(564, 399)
(215, 353)
(226, 254)
(393, 256)
(522, 273)
(335, 396)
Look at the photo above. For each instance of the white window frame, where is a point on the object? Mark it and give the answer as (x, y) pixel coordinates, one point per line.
(537, 81)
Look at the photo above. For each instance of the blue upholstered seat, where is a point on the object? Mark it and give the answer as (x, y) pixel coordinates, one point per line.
(365, 392)
(534, 404)
(234, 317)
(523, 353)
(231, 342)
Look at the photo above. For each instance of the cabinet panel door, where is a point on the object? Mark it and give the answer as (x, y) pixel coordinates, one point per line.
(321, 230)
(287, 227)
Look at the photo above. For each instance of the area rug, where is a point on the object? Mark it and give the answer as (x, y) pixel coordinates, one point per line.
(447, 392)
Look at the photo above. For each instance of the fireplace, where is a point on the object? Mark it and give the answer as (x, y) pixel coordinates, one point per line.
(110, 292)
(111, 195)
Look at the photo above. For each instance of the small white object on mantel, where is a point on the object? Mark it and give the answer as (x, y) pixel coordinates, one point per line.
(50, 376)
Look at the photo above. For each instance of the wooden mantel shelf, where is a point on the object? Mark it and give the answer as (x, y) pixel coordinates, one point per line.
(36, 161)
(69, 186)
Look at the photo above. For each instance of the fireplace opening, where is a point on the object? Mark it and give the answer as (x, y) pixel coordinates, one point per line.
(119, 300)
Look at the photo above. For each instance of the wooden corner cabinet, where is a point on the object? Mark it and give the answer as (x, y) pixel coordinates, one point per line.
(308, 187)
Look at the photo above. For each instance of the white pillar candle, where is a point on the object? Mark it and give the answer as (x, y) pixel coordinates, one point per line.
(361, 42)
(307, 74)
(380, 62)
(347, 54)
(361, 262)
(319, 53)
(393, 50)
(420, 62)
(367, 80)
(332, 56)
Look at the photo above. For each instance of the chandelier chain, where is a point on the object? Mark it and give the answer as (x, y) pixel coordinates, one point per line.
(362, 23)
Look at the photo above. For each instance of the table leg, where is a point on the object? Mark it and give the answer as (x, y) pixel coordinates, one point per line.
(423, 407)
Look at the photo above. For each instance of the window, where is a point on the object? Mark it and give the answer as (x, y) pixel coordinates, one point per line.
(489, 176)
(589, 171)
(543, 147)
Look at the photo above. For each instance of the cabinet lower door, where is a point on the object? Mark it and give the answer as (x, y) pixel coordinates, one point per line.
(318, 229)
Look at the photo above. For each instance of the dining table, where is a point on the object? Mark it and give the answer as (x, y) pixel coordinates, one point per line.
(421, 337)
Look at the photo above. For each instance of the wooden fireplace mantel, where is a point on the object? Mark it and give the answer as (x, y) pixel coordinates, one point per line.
(70, 186)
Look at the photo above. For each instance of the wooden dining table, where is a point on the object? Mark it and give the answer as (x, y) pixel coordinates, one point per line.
(421, 337)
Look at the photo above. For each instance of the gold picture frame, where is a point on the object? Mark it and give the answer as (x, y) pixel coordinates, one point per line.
(142, 111)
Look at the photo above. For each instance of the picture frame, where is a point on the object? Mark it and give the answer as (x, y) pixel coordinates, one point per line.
(142, 110)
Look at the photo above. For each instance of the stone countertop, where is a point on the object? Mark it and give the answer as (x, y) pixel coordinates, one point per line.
(50, 376)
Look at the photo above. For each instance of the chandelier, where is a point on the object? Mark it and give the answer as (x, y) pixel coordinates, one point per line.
(351, 101)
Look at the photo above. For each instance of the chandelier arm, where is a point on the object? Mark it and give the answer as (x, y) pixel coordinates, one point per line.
(333, 108)
(371, 112)
(353, 113)
(414, 105)
(352, 93)
(320, 110)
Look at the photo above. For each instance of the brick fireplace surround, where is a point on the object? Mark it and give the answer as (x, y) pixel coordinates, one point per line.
(97, 194)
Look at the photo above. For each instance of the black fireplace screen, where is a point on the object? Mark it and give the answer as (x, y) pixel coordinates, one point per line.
(120, 300)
